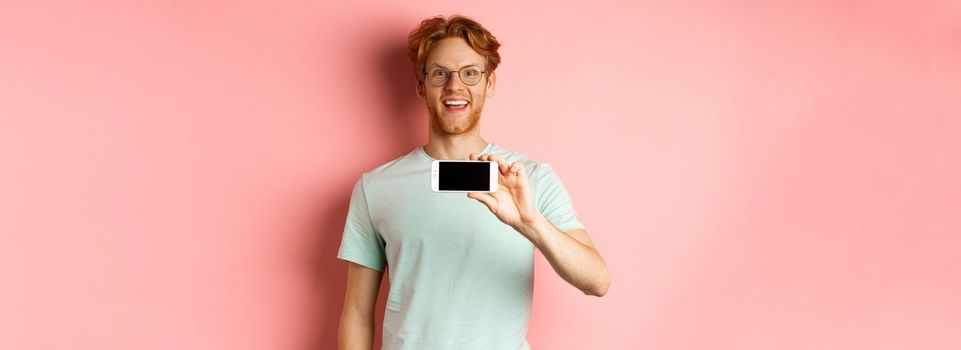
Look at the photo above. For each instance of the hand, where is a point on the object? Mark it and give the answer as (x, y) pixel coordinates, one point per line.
(513, 203)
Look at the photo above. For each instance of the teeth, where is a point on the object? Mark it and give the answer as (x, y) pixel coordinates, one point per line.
(455, 102)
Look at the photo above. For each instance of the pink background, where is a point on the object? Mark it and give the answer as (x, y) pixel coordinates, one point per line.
(176, 174)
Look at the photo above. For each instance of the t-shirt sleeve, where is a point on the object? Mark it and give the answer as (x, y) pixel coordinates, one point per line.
(552, 199)
(361, 243)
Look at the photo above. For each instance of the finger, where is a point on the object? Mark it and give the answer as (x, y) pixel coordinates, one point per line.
(471, 156)
(513, 168)
(501, 164)
(522, 171)
(485, 198)
(518, 169)
(487, 158)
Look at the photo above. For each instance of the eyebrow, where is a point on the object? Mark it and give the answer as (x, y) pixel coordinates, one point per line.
(462, 67)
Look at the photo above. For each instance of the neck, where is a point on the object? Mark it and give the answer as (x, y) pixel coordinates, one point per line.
(454, 147)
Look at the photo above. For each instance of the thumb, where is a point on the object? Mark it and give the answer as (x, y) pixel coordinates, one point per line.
(485, 198)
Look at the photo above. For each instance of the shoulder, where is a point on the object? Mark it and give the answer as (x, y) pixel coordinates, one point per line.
(393, 169)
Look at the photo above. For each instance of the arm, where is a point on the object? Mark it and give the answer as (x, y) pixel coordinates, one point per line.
(357, 320)
(571, 254)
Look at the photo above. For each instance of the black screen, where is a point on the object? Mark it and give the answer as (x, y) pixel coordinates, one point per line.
(464, 176)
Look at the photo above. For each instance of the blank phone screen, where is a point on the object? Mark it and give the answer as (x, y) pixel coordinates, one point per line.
(464, 176)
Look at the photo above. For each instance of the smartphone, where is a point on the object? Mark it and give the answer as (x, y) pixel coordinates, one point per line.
(463, 176)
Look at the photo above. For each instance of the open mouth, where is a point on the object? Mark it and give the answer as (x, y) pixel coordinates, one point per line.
(455, 105)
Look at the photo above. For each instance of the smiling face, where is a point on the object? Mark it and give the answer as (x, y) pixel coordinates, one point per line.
(455, 107)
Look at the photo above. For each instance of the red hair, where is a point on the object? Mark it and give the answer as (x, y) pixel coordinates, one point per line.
(438, 28)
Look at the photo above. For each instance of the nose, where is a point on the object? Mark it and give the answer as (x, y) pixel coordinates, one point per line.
(454, 83)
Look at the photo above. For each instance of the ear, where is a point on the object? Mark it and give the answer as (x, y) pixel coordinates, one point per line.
(420, 88)
(489, 90)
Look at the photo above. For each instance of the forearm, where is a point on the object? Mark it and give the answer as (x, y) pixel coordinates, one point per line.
(356, 332)
(576, 263)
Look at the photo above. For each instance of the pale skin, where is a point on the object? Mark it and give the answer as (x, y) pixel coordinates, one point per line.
(455, 134)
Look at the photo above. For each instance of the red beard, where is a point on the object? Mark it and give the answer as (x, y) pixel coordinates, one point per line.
(454, 126)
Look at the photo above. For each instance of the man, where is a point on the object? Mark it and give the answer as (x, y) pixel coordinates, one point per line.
(460, 267)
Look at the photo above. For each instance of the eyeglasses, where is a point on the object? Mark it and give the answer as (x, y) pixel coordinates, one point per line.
(439, 76)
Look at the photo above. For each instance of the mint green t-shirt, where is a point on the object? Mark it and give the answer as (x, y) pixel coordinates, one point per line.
(459, 277)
